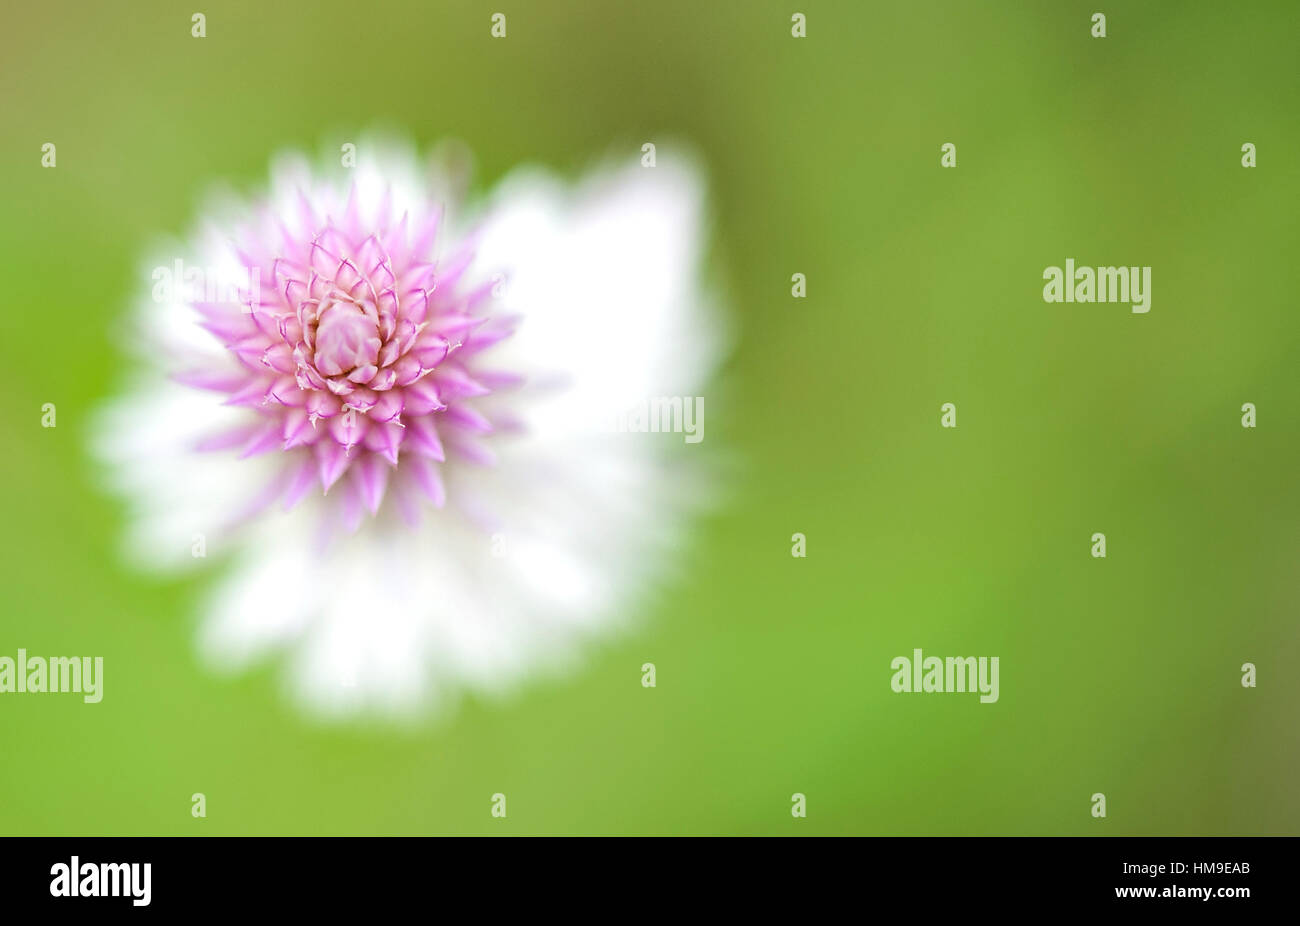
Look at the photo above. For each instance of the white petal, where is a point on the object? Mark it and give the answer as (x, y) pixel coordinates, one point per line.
(176, 495)
(606, 278)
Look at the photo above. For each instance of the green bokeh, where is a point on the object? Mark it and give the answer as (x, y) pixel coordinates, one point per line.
(1117, 675)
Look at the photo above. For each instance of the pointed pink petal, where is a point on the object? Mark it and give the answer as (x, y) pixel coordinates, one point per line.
(472, 451)
(363, 374)
(431, 350)
(332, 461)
(387, 407)
(250, 396)
(408, 370)
(323, 405)
(350, 506)
(371, 475)
(267, 438)
(227, 439)
(348, 428)
(385, 439)
(415, 306)
(422, 437)
(454, 383)
(383, 380)
(302, 479)
(406, 503)
(279, 357)
(213, 380)
(429, 480)
(362, 399)
(422, 397)
(463, 416)
(285, 390)
(297, 429)
(455, 327)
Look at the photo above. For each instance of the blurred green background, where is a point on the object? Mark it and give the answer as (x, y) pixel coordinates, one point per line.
(924, 286)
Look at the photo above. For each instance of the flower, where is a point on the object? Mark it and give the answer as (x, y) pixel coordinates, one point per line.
(394, 420)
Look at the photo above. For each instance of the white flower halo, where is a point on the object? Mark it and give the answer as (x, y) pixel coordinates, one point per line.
(553, 542)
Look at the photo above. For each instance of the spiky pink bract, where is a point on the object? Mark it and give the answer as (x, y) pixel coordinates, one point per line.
(360, 357)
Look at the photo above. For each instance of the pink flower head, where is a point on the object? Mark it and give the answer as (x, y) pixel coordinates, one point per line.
(361, 358)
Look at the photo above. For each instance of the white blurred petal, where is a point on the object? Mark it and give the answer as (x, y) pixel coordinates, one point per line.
(556, 543)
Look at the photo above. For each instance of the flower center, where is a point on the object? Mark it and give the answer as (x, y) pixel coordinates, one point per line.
(346, 338)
